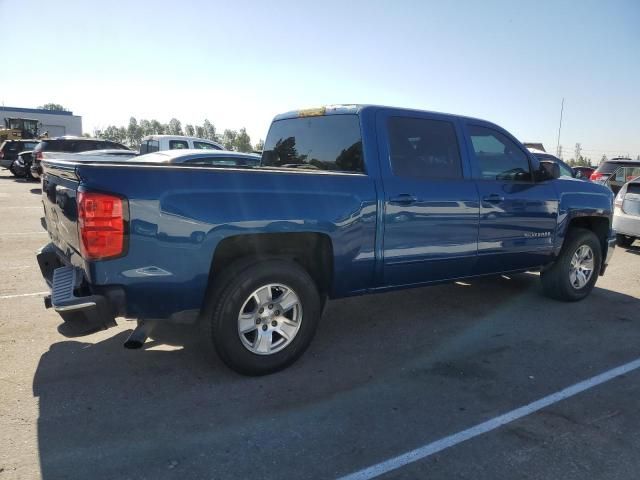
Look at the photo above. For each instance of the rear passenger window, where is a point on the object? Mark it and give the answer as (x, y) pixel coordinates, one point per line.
(498, 157)
(422, 148)
(178, 144)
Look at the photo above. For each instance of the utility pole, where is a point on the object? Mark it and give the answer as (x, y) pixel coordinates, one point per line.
(558, 149)
(559, 152)
(578, 150)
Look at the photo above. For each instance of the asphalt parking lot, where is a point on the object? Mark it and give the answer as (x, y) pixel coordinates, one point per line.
(385, 375)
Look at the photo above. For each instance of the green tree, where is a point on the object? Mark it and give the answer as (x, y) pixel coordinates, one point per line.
(259, 146)
(229, 139)
(243, 141)
(114, 133)
(175, 127)
(134, 133)
(56, 107)
(200, 131)
(145, 127)
(189, 130)
(209, 130)
(156, 127)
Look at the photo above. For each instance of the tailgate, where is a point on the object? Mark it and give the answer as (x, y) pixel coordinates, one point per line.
(59, 188)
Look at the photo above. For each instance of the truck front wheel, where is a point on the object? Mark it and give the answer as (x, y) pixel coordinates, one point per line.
(265, 315)
(575, 271)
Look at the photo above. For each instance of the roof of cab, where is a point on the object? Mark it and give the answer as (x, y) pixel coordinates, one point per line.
(355, 109)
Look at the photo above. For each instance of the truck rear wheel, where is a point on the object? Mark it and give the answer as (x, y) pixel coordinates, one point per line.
(264, 316)
(575, 271)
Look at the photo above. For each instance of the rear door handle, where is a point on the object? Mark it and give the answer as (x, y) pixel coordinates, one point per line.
(403, 199)
(493, 198)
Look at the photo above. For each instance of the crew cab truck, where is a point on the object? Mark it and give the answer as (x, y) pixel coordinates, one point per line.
(348, 200)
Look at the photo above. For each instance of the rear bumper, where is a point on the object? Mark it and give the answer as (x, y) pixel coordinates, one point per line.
(626, 224)
(70, 295)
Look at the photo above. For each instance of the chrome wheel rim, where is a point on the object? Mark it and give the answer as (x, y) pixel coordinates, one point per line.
(269, 319)
(581, 269)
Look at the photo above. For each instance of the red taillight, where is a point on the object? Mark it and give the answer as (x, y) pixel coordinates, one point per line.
(596, 176)
(39, 155)
(101, 224)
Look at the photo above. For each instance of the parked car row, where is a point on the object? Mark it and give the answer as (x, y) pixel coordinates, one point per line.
(616, 172)
(10, 149)
(23, 157)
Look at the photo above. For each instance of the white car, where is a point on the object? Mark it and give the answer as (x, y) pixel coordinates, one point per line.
(626, 213)
(157, 143)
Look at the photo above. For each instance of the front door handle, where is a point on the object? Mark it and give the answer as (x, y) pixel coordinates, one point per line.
(493, 198)
(403, 199)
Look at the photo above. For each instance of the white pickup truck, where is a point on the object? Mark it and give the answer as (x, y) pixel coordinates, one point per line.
(156, 143)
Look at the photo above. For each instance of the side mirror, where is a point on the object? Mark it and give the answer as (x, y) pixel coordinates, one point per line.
(548, 171)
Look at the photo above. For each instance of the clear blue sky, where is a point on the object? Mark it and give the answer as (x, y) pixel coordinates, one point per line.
(239, 63)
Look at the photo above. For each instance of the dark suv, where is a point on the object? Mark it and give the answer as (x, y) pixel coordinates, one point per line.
(10, 149)
(69, 145)
(616, 172)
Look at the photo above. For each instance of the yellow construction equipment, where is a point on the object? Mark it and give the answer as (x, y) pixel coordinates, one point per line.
(16, 128)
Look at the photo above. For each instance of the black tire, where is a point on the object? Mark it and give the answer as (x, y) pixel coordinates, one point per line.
(556, 281)
(624, 241)
(15, 172)
(233, 288)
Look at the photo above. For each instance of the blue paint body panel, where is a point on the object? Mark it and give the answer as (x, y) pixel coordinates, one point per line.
(178, 215)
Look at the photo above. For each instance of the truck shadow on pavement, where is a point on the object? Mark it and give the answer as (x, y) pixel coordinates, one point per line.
(107, 412)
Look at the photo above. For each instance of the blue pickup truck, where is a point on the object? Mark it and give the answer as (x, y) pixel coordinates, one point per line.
(348, 200)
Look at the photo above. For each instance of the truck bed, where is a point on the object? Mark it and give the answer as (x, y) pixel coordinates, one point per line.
(178, 214)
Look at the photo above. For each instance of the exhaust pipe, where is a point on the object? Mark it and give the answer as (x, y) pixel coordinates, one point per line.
(139, 335)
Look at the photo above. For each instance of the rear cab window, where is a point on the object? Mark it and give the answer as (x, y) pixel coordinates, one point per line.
(86, 145)
(330, 143)
(149, 146)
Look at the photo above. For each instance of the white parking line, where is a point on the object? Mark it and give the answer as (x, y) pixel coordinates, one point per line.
(446, 442)
(37, 207)
(3, 297)
(13, 234)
